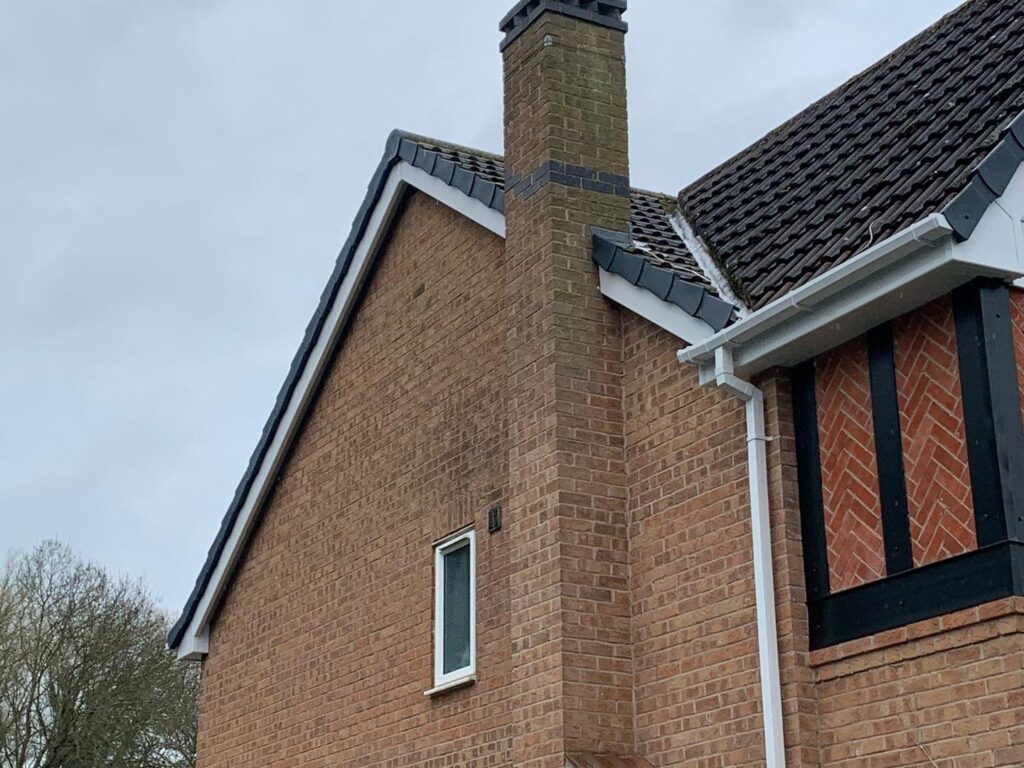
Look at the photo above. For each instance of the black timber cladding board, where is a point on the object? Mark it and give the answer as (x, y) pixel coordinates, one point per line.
(892, 484)
(992, 572)
(992, 415)
(812, 505)
(965, 581)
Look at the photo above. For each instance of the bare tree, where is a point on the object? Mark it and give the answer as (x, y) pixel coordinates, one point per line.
(85, 678)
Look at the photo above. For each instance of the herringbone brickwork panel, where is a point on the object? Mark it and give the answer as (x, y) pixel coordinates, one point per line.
(1017, 304)
(934, 439)
(849, 471)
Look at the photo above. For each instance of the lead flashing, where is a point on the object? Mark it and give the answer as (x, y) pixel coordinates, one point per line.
(604, 13)
(613, 253)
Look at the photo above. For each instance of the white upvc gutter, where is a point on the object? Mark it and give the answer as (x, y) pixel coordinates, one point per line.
(764, 580)
(785, 318)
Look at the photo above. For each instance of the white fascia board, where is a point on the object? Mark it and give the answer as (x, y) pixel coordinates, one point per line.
(194, 647)
(662, 313)
(1001, 226)
(195, 640)
(470, 207)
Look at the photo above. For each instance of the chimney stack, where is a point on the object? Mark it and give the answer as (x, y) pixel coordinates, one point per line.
(567, 172)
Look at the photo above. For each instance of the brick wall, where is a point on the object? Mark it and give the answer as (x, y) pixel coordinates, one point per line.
(947, 692)
(322, 651)
(697, 693)
(695, 649)
(849, 469)
(938, 477)
(1017, 307)
(323, 648)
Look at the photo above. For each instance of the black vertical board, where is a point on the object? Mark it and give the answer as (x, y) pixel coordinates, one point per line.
(988, 383)
(994, 299)
(812, 506)
(892, 485)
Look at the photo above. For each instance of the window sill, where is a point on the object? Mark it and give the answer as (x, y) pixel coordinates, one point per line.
(451, 685)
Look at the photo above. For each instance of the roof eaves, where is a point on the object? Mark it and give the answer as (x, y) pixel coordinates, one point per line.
(988, 181)
(614, 252)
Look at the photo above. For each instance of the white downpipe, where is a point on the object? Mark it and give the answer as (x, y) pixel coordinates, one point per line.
(764, 580)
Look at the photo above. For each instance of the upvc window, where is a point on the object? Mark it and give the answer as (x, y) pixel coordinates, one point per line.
(455, 610)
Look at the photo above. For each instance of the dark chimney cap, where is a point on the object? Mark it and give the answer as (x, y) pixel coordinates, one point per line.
(604, 13)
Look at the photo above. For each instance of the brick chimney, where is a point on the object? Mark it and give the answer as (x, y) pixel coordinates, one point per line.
(567, 165)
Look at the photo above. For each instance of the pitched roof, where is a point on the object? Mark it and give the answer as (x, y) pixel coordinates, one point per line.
(652, 254)
(900, 141)
(479, 175)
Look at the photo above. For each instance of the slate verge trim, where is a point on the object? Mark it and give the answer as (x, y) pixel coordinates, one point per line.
(612, 252)
(604, 13)
(988, 181)
(401, 146)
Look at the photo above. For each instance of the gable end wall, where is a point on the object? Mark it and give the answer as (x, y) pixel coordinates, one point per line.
(323, 648)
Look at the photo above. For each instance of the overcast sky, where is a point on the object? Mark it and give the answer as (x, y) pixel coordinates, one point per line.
(176, 177)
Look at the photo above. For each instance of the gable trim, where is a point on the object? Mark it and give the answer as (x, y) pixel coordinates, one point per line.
(648, 306)
(989, 181)
(189, 636)
(612, 253)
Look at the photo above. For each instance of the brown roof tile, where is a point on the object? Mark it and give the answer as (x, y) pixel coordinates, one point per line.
(891, 146)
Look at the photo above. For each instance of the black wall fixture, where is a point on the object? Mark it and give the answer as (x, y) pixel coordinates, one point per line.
(494, 519)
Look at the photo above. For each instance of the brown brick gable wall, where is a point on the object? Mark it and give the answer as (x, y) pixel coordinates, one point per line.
(323, 648)
(849, 473)
(938, 477)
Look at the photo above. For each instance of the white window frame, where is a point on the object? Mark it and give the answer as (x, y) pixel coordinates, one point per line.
(467, 674)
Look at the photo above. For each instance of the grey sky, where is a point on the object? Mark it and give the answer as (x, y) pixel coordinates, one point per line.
(176, 177)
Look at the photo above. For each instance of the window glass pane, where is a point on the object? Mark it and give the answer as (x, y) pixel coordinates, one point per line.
(456, 609)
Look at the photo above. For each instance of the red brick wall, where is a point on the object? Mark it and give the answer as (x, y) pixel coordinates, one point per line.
(934, 441)
(323, 649)
(849, 470)
(1017, 299)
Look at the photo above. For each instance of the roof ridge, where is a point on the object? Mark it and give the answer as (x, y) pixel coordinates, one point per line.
(419, 137)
